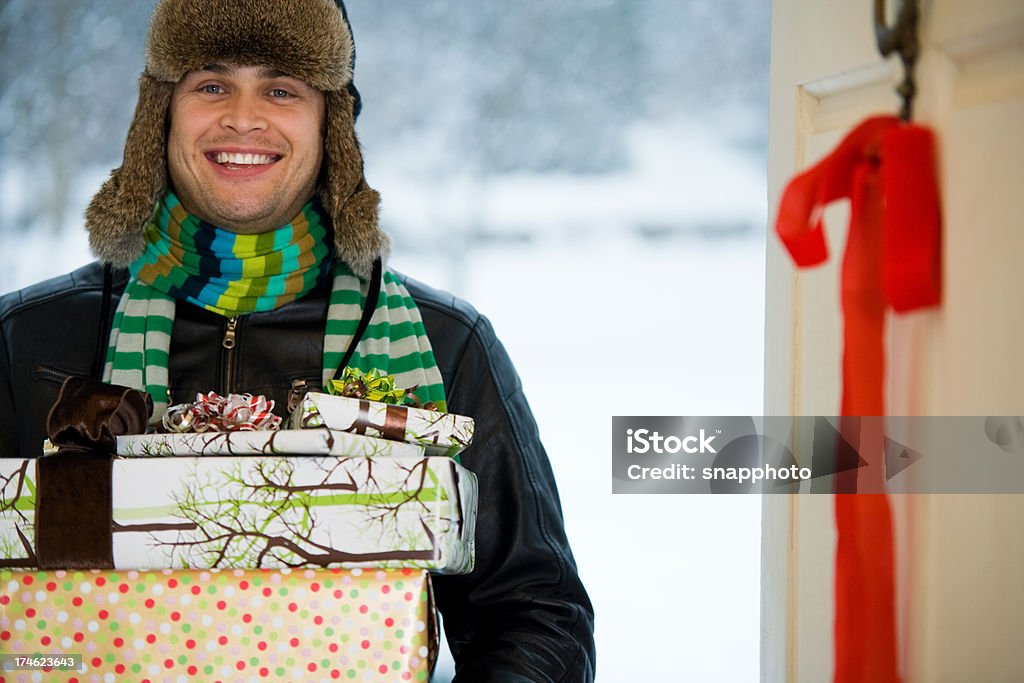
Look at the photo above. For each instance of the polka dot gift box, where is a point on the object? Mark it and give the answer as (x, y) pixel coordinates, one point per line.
(267, 625)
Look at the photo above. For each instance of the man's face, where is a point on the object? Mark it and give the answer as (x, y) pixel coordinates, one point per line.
(245, 146)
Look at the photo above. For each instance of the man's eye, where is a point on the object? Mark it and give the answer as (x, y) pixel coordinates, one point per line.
(212, 89)
(280, 92)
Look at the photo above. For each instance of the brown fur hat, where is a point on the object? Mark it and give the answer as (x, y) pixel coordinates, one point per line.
(307, 39)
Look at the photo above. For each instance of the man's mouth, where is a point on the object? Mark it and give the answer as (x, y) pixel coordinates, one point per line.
(242, 159)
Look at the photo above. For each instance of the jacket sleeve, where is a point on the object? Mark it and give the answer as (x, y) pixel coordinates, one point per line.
(8, 420)
(523, 613)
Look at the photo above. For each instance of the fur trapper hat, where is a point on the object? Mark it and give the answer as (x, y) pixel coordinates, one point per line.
(307, 39)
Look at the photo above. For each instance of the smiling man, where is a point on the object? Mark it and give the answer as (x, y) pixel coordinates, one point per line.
(239, 251)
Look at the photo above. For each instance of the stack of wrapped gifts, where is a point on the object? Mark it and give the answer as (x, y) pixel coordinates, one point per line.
(217, 553)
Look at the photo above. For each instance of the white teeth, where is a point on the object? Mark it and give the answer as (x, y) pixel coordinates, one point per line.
(243, 159)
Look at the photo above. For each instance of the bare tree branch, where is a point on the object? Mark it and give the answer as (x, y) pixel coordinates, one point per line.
(256, 513)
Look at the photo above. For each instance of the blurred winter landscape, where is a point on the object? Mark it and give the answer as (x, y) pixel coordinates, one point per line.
(590, 174)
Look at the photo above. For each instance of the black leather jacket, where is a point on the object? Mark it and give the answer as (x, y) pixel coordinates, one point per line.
(522, 615)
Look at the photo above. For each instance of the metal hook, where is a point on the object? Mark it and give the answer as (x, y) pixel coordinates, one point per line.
(901, 38)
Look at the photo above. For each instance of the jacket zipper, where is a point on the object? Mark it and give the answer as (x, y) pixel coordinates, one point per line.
(229, 343)
(53, 374)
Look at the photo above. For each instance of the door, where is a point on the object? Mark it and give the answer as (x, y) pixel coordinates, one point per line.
(959, 591)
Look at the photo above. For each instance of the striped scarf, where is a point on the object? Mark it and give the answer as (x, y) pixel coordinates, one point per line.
(189, 260)
(227, 273)
(395, 342)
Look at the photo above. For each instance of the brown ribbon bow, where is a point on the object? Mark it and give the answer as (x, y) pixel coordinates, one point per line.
(74, 513)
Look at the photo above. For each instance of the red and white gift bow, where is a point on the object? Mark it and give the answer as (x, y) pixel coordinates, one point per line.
(212, 412)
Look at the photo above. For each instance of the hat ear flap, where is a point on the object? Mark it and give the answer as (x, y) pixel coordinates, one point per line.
(352, 204)
(116, 215)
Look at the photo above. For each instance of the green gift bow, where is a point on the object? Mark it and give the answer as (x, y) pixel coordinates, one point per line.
(373, 386)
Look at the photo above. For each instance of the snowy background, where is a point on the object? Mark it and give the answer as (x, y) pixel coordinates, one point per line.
(590, 174)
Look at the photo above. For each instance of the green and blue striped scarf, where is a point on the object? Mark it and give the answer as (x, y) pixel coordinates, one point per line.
(190, 260)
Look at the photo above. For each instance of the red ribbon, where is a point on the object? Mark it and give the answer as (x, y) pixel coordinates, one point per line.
(893, 259)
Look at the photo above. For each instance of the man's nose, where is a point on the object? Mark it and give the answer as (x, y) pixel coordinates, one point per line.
(243, 113)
